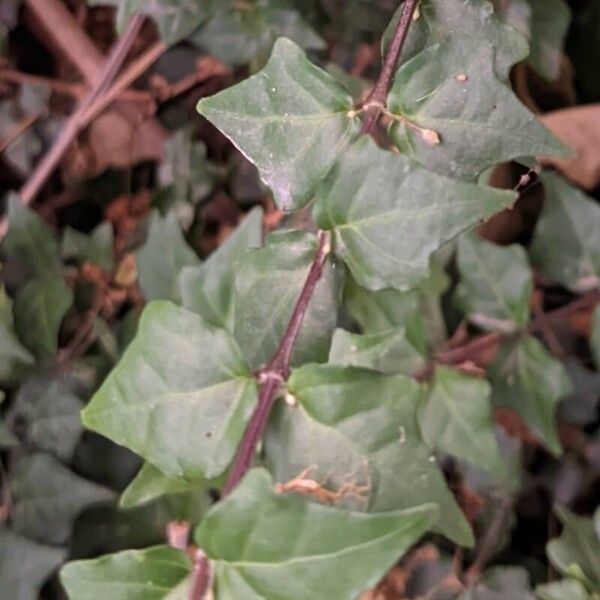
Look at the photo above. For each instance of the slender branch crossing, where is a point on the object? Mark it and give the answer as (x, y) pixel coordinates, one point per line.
(376, 100)
(277, 370)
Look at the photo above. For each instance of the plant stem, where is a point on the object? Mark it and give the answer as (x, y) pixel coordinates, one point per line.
(277, 369)
(376, 100)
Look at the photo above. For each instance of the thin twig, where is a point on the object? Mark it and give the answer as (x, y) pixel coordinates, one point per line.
(277, 370)
(376, 100)
(18, 130)
(47, 165)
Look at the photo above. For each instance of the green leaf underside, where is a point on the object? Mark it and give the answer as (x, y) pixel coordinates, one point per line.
(180, 396)
(208, 289)
(48, 497)
(526, 379)
(283, 547)
(496, 284)
(566, 242)
(457, 419)
(246, 36)
(268, 282)
(389, 215)
(354, 426)
(452, 89)
(290, 120)
(151, 574)
(151, 483)
(162, 258)
(39, 310)
(25, 565)
(447, 20)
(577, 551)
(389, 352)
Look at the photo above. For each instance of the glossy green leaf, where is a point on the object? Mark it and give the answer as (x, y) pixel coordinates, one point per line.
(150, 483)
(162, 258)
(576, 552)
(456, 117)
(14, 357)
(157, 573)
(50, 414)
(25, 565)
(526, 379)
(268, 282)
(47, 497)
(354, 426)
(442, 20)
(39, 310)
(96, 248)
(565, 246)
(388, 352)
(291, 120)
(456, 418)
(208, 289)
(175, 19)
(389, 215)
(180, 396)
(595, 339)
(496, 284)
(567, 589)
(246, 35)
(30, 241)
(278, 546)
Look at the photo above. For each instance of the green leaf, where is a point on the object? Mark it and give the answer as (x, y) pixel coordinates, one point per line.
(456, 117)
(208, 289)
(267, 116)
(25, 565)
(567, 589)
(48, 497)
(50, 413)
(185, 167)
(268, 282)
(389, 214)
(150, 483)
(246, 35)
(565, 247)
(271, 546)
(151, 574)
(356, 427)
(30, 241)
(443, 20)
(180, 396)
(495, 286)
(388, 352)
(162, 258)
(13, 356)
(526, 379)
(175, 19)
(595, 339)
(545, 24)
(39, 310)
(456, 418)
(96, 248)
(576, 552)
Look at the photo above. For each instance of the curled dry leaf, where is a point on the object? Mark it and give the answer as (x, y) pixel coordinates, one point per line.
(579, 128)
